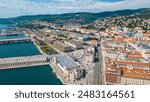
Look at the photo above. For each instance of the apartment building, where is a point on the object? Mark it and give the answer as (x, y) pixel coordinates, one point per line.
(74, 44)
(62, 46)
(127, 73)
(72, 71)
(126, 60)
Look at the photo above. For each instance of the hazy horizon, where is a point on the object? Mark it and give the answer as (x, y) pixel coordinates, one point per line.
(15, 8)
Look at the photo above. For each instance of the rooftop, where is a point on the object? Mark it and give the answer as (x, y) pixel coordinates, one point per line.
(126, 72)
(22, 59)
(73, 42)
(144, 46)
(66, 61)
(61, 43)
(136, 73)
(133, 63)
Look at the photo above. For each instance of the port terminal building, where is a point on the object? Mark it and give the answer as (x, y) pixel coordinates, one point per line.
(72, 70)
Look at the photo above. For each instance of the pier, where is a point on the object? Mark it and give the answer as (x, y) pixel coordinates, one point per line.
(7, 41)
(9, 34)
(19, 62)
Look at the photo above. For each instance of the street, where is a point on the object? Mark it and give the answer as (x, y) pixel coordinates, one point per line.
(98, 78)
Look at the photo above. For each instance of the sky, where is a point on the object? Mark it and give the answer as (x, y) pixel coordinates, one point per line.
(13, 8)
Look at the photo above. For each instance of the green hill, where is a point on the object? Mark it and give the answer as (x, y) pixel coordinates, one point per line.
(81, 18)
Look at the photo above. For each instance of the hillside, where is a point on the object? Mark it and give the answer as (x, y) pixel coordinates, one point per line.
(80, 18)
(140, 18)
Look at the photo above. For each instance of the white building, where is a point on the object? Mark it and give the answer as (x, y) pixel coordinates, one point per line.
(71, 70)
(89, 55)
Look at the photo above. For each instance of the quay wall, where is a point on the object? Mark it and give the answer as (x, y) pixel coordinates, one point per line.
(23, 66)
(27, 61)
(7, 41)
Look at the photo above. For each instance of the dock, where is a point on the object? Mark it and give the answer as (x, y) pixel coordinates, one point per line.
(20, 62)
(8, 41)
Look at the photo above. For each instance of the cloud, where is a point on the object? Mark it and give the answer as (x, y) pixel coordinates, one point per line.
(12, 8)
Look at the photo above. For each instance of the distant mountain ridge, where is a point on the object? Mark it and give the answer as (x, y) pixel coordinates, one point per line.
(81, 18)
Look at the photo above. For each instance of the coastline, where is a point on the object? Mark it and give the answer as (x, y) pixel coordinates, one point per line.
(38, 48)
(57, 74)
(29, 76)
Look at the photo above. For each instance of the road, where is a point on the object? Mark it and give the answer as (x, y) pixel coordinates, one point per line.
(98, 78)
(88, 68)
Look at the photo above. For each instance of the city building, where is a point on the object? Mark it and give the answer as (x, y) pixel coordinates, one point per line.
(94, 42)
(126, 59)
(72, 71)
(74, 44)
(50, 39)
(127, 73)
(84, 38)
(89, 57)
(62, 47)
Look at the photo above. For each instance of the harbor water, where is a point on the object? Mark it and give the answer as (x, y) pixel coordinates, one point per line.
(18, 49)
(37, 75)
